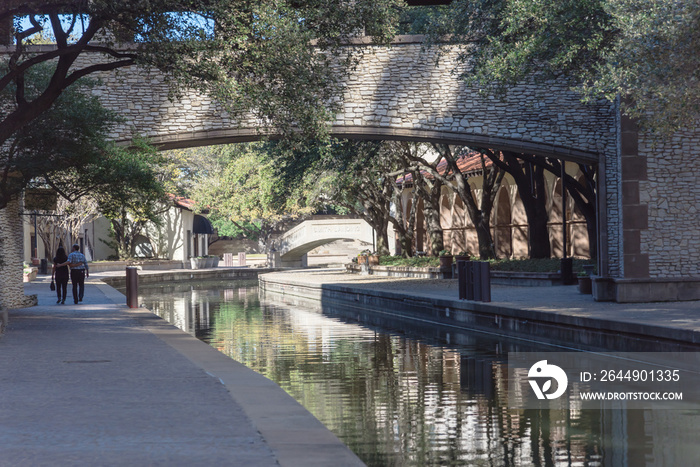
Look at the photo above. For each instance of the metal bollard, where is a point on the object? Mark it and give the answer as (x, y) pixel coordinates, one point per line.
(462, 279)
(567, 271)
(132, 287)
(484, 281)
(474, 280)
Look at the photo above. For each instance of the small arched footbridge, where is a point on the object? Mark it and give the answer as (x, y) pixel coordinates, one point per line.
(292, 246)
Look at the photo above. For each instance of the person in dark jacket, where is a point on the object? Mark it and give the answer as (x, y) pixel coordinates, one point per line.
(61, 274)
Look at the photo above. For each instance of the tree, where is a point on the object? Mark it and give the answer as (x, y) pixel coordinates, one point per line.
(404, 218)
(259, 56)
(361, 177)
(70, 137)
(647, 51)
(257, 188)
(529, 178)
(136, 199)
(427, 187)
(479, 211)
(63, 226)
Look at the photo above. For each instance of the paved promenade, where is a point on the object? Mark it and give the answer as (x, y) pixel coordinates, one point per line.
(100, 384)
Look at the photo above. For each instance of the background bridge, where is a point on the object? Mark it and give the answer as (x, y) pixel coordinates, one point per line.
(292, 247)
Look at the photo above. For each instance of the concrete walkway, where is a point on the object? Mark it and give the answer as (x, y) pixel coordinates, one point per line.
(100, 384)
(562, 305)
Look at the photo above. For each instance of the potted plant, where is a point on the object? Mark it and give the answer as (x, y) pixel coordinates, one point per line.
(462, 256)
(445, 259)
(373, 259)
(363, 257)
(29, 273)
(584, 283)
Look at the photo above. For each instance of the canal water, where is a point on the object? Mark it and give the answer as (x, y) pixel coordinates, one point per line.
(401, 394)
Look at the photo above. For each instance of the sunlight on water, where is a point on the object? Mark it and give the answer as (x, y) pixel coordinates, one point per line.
(398, 395)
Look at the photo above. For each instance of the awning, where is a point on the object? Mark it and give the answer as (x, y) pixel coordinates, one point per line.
(201, 225)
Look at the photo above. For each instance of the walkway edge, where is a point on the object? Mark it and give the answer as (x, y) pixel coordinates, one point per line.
(297, 438)
(493, 318)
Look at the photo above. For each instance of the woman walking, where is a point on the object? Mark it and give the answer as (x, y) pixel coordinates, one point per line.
(61, 274)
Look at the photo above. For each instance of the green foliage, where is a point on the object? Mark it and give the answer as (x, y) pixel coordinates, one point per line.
(420, 19)
(647, 51)
(62, 145)
(274, 59)
(536, 265)
(226, 228)
(256, 187)
(654, 63)
(413, 262)
(251, 186)
(516, 265)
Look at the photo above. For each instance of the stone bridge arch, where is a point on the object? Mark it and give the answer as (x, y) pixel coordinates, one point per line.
(292, 246)
(398, 92)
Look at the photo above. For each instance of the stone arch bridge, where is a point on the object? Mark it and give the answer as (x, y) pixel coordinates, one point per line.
(649, 231)
(292, 246)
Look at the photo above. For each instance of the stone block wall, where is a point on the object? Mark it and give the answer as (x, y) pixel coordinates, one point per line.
(399, 91)
(11, 259)
(669, 195)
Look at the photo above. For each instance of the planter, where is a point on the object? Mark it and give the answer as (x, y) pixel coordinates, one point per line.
(585, 285)
(363, 259)
(208, 262)
(445, 262)
(461, 258)
(215, 263)
(30, 276)
(198, 263)
(373, 260)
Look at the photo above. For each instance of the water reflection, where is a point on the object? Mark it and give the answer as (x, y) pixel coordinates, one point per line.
(404, 394)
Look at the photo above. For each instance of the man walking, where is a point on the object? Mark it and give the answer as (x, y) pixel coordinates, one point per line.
(78, 272)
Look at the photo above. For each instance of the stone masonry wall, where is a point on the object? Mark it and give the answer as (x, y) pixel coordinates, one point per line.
(11, 266)
(394, 90)
(671, 193)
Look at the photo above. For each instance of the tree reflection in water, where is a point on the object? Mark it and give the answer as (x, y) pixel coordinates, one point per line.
(403, 394)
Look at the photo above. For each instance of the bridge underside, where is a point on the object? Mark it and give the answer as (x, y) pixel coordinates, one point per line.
(240, 135)
(296, 256)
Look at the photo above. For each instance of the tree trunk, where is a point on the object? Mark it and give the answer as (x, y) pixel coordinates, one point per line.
(529, 179)
(382, 240)
(432, 219)
(537, 217)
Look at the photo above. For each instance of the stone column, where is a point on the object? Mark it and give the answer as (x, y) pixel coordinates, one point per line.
(635, 215)
(6, 31)
(11, 258)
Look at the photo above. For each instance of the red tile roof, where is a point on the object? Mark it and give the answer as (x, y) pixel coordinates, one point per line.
(469, 164)
(182, 202)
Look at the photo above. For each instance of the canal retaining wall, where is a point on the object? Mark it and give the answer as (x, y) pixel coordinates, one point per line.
(153, 277)
(570, 330)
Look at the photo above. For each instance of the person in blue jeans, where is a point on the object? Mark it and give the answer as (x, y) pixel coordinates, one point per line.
(78, 272)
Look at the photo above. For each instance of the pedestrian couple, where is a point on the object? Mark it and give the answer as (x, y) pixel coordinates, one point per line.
(78, 265)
